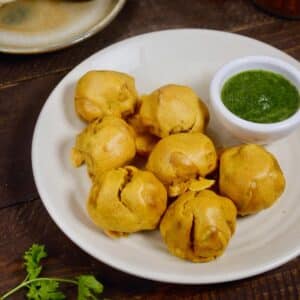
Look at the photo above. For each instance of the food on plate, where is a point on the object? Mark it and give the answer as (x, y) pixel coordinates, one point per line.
(102, 93)
(127, 200)
(167, 127)
(261, 96)
(104, 145)
(144, 140)
(251, 177)
(173, 109)
(2, 2)
(198, 225)
(181, 160)
(145, 143)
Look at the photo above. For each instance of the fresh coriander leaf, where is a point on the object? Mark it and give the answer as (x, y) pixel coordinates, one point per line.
(88, 287)
(45, 290)
(32, 258)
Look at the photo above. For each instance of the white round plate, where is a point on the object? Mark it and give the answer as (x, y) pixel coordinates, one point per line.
(189, 56)
(29, 26)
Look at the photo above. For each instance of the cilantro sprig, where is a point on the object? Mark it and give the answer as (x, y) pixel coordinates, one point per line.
(47, 288)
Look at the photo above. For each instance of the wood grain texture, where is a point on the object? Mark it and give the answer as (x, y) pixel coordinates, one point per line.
(25, 83)
(29, 223)
(140, 16)
(19, 109)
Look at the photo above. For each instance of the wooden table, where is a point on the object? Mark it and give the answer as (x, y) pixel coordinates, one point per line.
(25, 83)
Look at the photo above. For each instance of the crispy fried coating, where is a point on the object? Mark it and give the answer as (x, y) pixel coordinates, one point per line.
(104, 145)
(198, 225)
(180, 159)
(173, 109)
(102, 93)
(144, 140)
(251, 177)
(127, 200)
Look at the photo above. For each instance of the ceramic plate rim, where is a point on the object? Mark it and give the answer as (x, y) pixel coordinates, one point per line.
(77, 39)
(121, 265)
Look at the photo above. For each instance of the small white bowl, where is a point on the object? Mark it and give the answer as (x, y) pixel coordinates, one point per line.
(247, 131)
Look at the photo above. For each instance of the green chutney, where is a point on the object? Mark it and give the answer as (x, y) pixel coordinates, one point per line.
(260, 96)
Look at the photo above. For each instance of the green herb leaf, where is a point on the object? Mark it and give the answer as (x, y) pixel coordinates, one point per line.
(88, 287)
(32, 258)
(45, 290)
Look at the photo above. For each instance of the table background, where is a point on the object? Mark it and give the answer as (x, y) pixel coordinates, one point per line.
(25, 83)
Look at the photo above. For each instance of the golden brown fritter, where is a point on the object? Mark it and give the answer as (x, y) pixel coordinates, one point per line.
(173, 109)
(104, 145)
(144, 140)
(102, 93)
(251, 177)
(180, 159)
(198, 225)
(127, 200)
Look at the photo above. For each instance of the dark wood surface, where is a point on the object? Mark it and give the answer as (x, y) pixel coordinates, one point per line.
(25, 83)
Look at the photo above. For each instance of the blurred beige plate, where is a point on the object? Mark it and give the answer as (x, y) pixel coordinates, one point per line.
(30, 26)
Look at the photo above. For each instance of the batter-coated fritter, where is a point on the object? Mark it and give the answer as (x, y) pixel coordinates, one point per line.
(198, 225)
(251, 177)
(180, 159)
(102, 93)
(104, 145)
(173, 109)
(127, 200)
